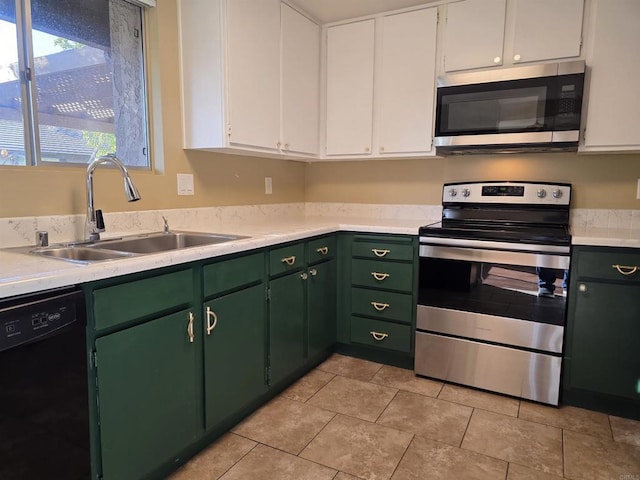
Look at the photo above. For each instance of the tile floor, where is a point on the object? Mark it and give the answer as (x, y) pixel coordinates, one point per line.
(352, 419)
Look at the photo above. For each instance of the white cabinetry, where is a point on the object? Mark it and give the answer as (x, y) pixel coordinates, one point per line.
(489, 33)
(237, 56)
(381, 86)
(613, 99)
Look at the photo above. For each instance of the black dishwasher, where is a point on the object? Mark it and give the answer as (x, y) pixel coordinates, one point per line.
(44, 418)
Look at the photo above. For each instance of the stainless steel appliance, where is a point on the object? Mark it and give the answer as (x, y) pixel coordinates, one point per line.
(491, 307)
(44, 417)
(532, 108)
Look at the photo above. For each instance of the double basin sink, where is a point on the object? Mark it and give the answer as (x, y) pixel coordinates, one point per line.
(85, 252)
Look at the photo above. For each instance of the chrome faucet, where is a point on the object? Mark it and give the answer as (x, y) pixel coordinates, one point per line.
(94, 217)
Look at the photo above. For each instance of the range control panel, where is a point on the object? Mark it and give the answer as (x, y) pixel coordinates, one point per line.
(529, 193)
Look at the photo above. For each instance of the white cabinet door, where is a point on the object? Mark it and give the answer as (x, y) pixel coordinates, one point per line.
(406, 82)
(350, 51)
(613, 101)
(300, 83)
(474, 34)
(547, 29)
(253, 77)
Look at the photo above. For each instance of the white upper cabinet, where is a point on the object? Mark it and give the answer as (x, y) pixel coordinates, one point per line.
(350, 56)
(406, 82)
(474, 34)
(613, 100)
(300, 83)
(493, 33)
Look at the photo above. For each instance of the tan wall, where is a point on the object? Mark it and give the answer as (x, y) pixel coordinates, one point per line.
(600, 181)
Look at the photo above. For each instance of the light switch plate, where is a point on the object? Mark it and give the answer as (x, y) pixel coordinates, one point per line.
(268, 185)
(185, 184)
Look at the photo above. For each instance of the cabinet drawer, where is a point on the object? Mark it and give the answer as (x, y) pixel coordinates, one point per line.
(621, 265)
(387, 275)
(230, 274)
(322, 249)
(381, 334)
(285, 259)
(382, 250)
(381, 304)
(141, 298)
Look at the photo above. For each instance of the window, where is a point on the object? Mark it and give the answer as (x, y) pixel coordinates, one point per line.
(72, 82)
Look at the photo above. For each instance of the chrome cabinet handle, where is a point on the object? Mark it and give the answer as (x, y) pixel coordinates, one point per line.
(313, 272)
(380, 276)
(304, 276)
(211, 326)
(625, 269)
(289, 260)
(379, 336)
(380, 253)
(379, 306)
(322, 250)
(190, 328)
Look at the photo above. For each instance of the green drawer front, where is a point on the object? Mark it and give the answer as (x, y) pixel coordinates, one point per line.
(382, 250)
(620, 265)
(377, 333)
(285, 259)
(140, 298)
(322, 249)
(381, 304)
(387, 275)
(231, 274)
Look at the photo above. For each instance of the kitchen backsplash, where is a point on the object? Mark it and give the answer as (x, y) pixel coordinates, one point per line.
(16, 232)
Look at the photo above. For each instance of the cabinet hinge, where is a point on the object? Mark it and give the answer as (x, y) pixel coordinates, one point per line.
(268, 293)
(93, 359)
(267, 375)
(229, 130)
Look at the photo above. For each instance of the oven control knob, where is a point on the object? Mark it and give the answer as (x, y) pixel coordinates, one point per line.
(541, 193)
(466, 192)
(557, 193)
(453, 192)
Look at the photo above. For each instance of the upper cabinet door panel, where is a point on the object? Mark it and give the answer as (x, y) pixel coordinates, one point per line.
(407, 82)
(253, 57)
(547, 29)
(350, 53)
(300, 82)
(474, 34)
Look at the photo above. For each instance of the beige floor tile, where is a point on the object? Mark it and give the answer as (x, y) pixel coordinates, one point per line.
(345, 476)
(358, 399)
(426, 416)
(267, 463)
(479, 399)
(427, 459)
(308, 385)
(589, 458)
(518, 472)
(515, 440)
(568, 418)
(625, 430)
(403, 379)
(284, 424)
(350, 367)
(216, 459)
(359, 448)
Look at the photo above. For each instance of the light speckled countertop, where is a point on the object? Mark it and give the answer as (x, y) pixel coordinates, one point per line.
(606, 237)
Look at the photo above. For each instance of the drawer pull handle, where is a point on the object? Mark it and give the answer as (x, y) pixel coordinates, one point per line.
(323, 250)
(190, 328)
(379, 306)
(211, 326)
(379, 336)
(379, 276)
(625, 269)
(380, 253)
(289, 260)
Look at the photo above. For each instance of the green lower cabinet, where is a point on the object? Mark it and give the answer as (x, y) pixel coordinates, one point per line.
(234, 353)
(321, 308)
(147, 394)
(286, 325)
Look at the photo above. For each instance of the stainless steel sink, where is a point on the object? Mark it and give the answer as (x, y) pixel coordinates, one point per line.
(161, 242)
(80, 254)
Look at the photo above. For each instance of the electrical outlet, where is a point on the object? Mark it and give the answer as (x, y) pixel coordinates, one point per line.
(268, 185)
(185, 184)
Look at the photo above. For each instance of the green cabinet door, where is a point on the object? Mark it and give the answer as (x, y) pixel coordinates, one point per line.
(286, 325)
(234, 352)
(147, 396)
(605, 344)
(321, 307)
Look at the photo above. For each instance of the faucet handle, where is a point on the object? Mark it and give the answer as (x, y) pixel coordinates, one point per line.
(166, 224)
(42, 238)
(99, 221)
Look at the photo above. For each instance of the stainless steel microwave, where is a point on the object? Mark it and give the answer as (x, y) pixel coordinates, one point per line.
(522, 109)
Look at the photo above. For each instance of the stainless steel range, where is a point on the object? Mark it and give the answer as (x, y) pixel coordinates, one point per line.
(491, 301)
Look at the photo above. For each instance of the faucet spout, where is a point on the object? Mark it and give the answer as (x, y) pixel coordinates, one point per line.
(130, 191)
